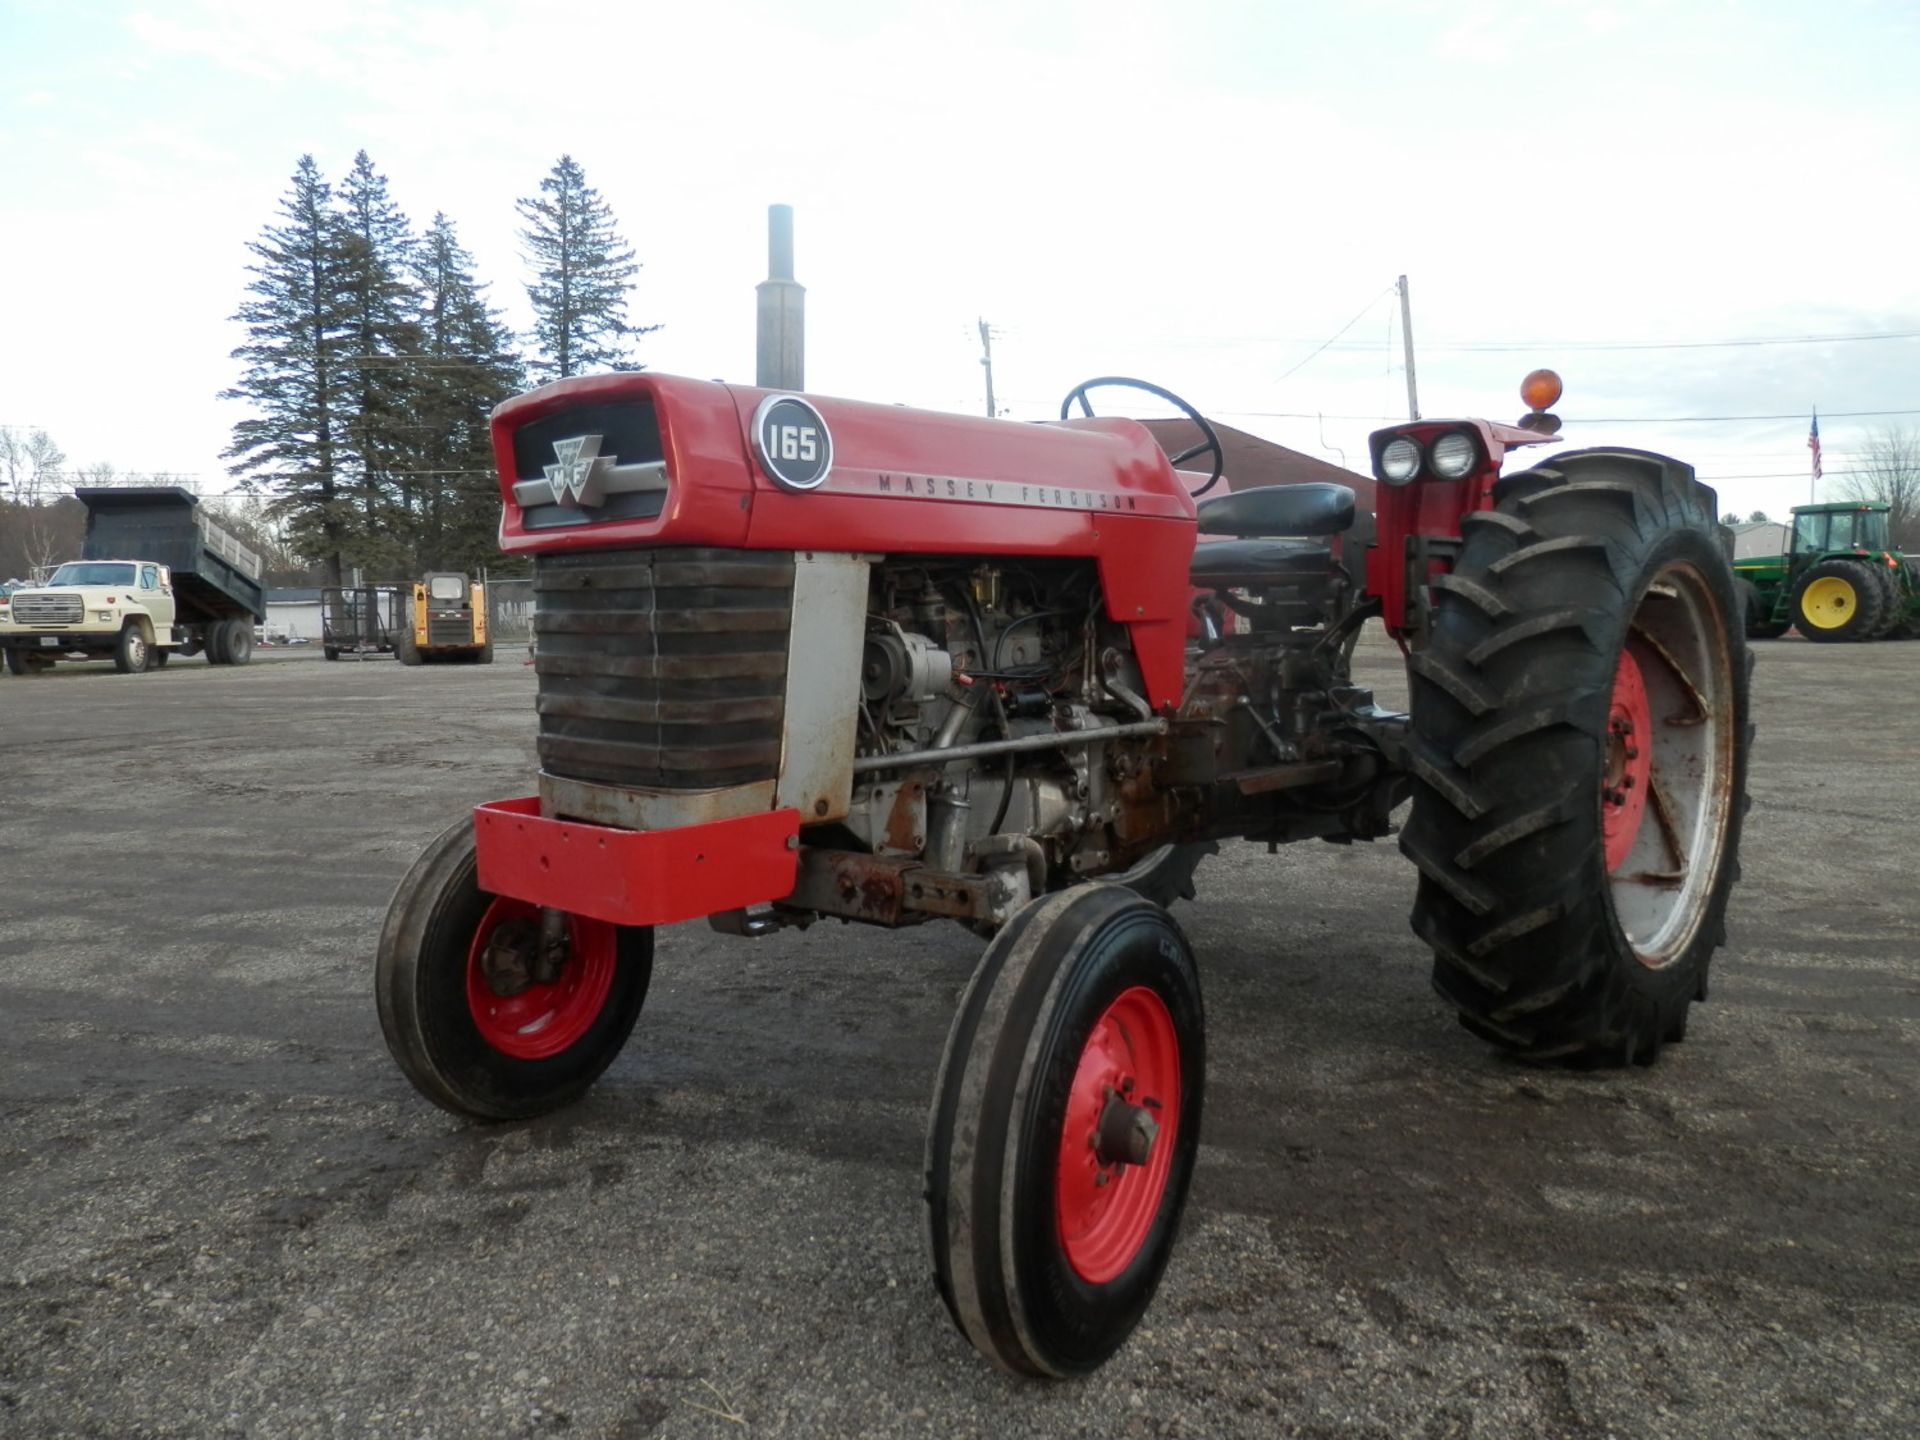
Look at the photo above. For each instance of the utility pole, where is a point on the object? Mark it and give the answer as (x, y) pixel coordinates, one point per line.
(1406, 334)
(986, 360)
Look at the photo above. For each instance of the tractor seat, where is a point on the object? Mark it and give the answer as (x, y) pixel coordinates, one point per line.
(1256, 563)
(1316, 509)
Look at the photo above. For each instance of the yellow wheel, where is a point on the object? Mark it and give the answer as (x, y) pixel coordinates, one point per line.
(1829, 603)
(1838, 600)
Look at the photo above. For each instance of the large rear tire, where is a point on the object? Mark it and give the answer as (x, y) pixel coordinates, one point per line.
(1579, 755)
(488, 1042)
(1064, 1129)
(405, 650)
(216, 642)
(1836, 600)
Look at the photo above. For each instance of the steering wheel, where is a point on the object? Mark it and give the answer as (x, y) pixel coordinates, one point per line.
(1209, 444)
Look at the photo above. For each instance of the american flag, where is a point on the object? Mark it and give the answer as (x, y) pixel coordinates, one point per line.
(1813, 443)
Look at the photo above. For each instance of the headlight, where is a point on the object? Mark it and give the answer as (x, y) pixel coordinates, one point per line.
(1452, 455)
(1399, 461)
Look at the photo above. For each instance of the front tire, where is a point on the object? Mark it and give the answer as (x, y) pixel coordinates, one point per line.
(476, 1047)
(1065, 1124)
(1167, 874)
(1579, 756)
(131, 651)
(18, 664)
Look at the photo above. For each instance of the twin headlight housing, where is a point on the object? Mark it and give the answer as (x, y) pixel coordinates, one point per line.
(1447, 456)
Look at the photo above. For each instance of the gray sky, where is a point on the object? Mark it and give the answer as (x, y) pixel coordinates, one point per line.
(1198, 194)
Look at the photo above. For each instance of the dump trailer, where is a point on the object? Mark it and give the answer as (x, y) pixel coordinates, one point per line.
(155, 578)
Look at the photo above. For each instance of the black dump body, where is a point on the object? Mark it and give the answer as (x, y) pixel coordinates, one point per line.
(214, 576)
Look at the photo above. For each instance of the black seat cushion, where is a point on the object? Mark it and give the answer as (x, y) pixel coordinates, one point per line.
(1317, 509)
(1259, 562)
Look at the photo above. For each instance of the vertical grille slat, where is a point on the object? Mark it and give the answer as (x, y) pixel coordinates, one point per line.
(664, 668)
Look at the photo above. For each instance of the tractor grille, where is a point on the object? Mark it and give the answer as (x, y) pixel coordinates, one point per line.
(47, 610)
(662, 668)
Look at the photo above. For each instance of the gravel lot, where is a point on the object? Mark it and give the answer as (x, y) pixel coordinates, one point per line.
(224, 1212)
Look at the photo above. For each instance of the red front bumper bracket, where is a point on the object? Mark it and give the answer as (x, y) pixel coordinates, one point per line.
(635, 877)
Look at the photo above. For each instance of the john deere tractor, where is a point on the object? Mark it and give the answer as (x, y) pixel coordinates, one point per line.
(1838, 579)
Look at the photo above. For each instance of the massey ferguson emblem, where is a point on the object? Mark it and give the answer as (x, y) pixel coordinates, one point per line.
(575, 479)
(792, 443)
(582, 478)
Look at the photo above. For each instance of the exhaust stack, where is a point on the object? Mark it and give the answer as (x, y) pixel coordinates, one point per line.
(781, 349)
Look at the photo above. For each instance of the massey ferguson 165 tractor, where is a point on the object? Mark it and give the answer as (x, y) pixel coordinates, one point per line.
(803, 658)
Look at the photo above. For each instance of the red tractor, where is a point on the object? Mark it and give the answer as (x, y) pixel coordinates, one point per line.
(802, 658)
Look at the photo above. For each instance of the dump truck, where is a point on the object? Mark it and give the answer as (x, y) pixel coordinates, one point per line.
(155, 578)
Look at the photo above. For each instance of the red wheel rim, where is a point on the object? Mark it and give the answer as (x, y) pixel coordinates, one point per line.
(1106, 1209)
(1629, 762)
(543, 1019)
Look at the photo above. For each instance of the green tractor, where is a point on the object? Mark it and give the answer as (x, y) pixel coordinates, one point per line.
(1838, 580)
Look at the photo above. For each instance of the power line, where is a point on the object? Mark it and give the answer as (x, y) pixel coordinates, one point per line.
(1341, 331)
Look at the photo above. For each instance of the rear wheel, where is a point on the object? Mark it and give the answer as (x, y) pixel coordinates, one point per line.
(1836, 600)
(479, 1019)
(216, 642)
(1579, 755)
(1892, 601)
(238, 646)
(330, 652)
(1064, 1129)
(405, 650)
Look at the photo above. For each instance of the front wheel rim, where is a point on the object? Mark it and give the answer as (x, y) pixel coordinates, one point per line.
(1667, 786)
(544, 1019)
(1105, 1205)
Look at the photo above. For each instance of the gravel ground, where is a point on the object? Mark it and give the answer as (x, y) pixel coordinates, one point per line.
(223, 1212)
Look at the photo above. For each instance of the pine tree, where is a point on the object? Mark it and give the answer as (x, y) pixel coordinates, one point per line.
(384, 341)
(581, 268)
(292, 377)
(468, 367)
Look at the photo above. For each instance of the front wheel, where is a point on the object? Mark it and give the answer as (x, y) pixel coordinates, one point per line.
(482, 1018)
(19, 664)
(1064, 1129)
(131, 650)
(1579, 755)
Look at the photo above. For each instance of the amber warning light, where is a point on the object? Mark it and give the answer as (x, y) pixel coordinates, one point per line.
(1540, 389)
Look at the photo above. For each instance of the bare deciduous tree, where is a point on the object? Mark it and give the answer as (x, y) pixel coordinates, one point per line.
(1886, 471)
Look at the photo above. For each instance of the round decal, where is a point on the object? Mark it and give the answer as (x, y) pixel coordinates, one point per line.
(791, 441)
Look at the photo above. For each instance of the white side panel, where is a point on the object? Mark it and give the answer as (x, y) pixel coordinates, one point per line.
(823, 685)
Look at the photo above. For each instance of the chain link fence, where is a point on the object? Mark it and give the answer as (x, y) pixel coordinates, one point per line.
(510, 616)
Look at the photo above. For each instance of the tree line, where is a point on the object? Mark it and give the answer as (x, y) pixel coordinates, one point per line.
(373, 357)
